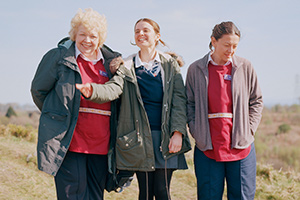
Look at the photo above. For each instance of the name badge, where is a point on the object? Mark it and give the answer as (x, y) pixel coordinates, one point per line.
(227, 77)
(103, 73)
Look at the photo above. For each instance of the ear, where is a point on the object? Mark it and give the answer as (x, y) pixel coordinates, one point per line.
(213, 41)
(157, 37)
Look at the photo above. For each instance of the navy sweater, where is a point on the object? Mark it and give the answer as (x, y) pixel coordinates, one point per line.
(151, 89)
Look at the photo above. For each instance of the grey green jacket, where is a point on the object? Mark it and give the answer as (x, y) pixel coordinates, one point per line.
(246, 97)
(54, 93)
(134, 148)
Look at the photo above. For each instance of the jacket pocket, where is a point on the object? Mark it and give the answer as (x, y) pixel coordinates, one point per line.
(52, 125)
(130, 150)
(129, 140)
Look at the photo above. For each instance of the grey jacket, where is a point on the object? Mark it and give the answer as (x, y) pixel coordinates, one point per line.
(246, 97)
(54, 93)
(134, 148)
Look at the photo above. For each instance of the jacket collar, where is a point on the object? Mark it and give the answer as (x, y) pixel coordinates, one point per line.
(69, 58)
(130, 65)
(204, 61)
(213, 62)
(108, 56)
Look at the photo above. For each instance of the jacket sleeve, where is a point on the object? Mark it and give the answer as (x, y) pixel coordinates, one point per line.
(189, 87)
(255, 102)
(111, 90)
(45, 77)
(178, 106)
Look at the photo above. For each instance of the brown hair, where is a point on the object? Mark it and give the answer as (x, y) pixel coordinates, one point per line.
(154, 25)
(223, 29)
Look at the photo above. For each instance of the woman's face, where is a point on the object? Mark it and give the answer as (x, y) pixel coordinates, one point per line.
(145, 36)
(224, 48)
(87, 41)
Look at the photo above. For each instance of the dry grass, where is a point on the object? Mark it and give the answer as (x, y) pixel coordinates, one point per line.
(277, 176)
(279, 150)
(273, 184)
(21, 180)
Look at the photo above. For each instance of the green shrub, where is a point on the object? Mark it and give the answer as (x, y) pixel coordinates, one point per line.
(10, 112)
(19, 131)
(283, 128)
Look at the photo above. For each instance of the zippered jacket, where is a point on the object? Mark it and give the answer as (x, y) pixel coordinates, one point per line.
(246, 99)
(54, 93)
(134, 148)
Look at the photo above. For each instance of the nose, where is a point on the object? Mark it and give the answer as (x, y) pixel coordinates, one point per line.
(230, 49)
(141, 32)
(87, 39)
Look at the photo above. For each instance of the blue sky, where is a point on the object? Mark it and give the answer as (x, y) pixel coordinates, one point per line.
(270, 36)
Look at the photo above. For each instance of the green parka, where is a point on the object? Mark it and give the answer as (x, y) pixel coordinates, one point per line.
(54, 93)
(134, 148)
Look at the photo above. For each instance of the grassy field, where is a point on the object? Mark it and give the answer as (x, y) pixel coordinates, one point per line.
(277, 148)
(21, 180)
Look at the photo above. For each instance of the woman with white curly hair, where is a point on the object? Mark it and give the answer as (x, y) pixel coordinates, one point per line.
(74, 133)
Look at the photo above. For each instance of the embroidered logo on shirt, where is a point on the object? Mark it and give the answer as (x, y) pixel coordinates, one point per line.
(103, 73)
(227, 77)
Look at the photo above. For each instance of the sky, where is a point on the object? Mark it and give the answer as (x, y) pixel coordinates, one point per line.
(270, 37)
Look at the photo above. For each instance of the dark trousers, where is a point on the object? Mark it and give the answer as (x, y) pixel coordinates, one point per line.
(81, 176)
(158, 182)
(240, 177)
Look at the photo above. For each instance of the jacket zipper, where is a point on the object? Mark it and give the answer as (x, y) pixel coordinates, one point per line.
(166, 109)
(137, 130)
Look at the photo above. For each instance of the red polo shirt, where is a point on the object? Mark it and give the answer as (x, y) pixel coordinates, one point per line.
(92, 132)
(220, 120)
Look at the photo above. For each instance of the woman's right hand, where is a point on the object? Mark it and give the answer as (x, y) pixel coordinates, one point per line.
(85, 89)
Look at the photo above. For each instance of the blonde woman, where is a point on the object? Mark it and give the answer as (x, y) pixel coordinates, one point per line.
(74, 134)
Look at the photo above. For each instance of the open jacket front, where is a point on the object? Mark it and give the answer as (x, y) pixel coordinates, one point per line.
(134, 148)
(54, 93)
(246, 97)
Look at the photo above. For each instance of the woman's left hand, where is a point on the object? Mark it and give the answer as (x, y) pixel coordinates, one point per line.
(175, 142)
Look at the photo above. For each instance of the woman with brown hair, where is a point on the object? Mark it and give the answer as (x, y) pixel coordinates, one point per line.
(224, 110)
(151, 132)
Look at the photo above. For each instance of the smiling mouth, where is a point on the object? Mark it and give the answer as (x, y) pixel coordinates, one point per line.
(142, 39)
(86, 45)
